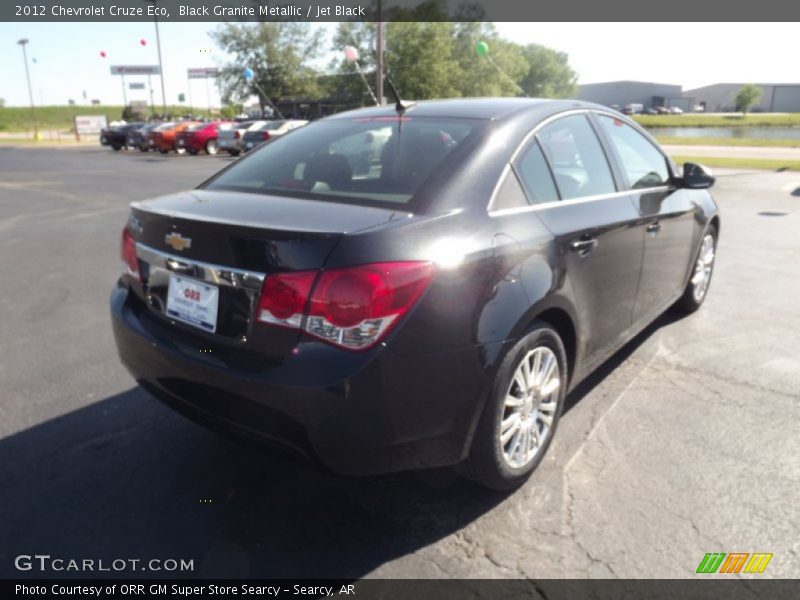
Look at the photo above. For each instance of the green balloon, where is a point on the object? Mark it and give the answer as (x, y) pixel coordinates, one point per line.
(482, 48)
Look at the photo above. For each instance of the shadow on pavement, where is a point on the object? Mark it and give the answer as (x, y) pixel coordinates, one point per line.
(127, 478)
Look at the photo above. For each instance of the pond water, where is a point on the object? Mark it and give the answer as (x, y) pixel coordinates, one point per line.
(772, 133)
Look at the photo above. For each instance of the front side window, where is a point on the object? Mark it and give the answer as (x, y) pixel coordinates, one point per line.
(371, 161)
(642, 163)
(578, 161)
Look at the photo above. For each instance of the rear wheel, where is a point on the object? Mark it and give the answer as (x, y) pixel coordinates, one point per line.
(116, 147)
(192, 152)
(522, 412)
(164, 151)
(143, 148)
(211, 147)
(234, 152)
(697, 286)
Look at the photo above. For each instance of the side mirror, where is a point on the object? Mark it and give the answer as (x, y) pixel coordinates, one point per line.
(697, 177)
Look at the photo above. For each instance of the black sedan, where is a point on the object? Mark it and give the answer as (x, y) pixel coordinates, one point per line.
(432, 308)
(138, 137)
(117, 136)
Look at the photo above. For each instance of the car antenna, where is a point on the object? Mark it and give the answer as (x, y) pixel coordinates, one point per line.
(399, 105)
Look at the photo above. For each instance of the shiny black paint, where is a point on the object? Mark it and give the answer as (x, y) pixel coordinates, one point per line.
(414, 400)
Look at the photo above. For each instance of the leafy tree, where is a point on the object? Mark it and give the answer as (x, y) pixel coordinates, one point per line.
(347, 85)
(420, 59)
(479, 75)
(747, 96)
(229, 111)
(439, 60)
(278, 53)
(547, 73)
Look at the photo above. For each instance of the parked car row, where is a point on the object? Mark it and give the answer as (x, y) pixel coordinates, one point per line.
(194, 137)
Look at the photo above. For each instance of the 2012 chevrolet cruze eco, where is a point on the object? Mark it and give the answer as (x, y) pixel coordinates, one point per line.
(390, 289)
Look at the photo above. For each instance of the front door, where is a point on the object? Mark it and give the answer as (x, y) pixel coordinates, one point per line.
(593, 223)
(668, 217)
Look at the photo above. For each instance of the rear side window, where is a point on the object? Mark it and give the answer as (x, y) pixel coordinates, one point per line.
(370, 161)
(642, 163)
(535, 175)
(579, 163)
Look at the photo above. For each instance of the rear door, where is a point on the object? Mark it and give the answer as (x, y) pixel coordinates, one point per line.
(667, 215)
(594, 224)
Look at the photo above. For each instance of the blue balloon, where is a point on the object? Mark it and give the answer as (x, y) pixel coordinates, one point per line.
(248, 73)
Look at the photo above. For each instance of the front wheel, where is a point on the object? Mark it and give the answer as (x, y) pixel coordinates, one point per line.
(211, 147)
(697, 286)
(522, 411)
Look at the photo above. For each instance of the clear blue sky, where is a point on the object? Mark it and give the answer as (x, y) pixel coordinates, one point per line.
(691, 54)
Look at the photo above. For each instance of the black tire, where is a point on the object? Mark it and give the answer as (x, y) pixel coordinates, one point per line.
(486, 464)
(116, 147)
(192, 152)
(164, 151)
(143, 148)
(234, 152)
(689, 302)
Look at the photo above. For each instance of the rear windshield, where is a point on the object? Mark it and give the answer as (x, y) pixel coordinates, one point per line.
(272, 125)
(371, 161)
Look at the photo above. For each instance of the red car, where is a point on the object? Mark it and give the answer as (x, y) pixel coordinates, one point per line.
(201, 136)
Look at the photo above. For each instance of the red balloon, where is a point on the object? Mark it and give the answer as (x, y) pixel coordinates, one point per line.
(103, 53)
(143, 42)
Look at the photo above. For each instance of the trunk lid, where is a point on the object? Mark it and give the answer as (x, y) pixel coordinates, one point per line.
(230, 241)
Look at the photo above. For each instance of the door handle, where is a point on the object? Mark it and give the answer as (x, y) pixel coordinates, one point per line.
(653, 227)
(583, 246)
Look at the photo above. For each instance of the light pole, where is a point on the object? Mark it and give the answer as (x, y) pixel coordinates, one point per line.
(160, 65)
(23, 42)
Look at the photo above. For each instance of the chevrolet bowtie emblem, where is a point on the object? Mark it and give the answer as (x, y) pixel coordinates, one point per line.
(177, 242)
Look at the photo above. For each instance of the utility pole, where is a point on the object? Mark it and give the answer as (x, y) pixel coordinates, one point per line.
(160, 65)
(379, 42)
(23, 42)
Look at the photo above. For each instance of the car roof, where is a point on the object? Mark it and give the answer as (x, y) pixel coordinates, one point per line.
(475, 108)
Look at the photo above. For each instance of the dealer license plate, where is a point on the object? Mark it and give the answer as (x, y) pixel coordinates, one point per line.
(193, 302)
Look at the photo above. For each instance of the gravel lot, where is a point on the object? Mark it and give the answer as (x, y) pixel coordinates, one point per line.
(685, 443)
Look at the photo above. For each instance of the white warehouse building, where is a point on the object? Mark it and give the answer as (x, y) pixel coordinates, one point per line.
(720, 97)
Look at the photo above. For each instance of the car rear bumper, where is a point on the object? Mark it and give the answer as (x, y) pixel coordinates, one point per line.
(366, 413)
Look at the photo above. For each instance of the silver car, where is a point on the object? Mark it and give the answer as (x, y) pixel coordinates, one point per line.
(230, 135)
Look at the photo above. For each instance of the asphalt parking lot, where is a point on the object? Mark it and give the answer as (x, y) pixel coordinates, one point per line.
(686, 442)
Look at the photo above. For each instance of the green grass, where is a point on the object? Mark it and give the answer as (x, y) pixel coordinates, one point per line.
(18, 118)
(703, 120)
(702, 141)
(741, 163)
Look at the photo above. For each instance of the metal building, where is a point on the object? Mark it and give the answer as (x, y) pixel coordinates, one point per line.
(720, 97)
(621, 93)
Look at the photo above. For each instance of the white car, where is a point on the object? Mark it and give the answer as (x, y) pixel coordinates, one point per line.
(674, 110)
(269, 130)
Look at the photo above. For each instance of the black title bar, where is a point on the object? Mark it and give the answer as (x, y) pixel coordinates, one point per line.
(397, 10)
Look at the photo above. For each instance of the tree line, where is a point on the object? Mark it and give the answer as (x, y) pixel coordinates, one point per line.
(431, 59)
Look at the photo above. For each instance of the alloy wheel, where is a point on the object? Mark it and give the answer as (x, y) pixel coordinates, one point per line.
(703, 268)
(530, 407)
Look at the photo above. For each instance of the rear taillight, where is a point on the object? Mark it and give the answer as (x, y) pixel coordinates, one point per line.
(128, 252)
(236, 135)
(352, 308)
(265, 135)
